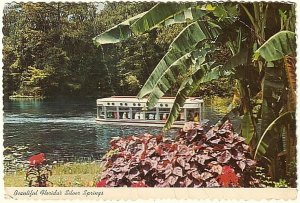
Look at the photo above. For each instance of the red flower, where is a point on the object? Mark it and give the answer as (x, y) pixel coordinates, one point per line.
(37, 159)
(138, 184)
(228, 177)
(101, 183)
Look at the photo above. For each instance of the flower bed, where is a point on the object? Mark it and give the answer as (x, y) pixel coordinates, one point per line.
(196, 158)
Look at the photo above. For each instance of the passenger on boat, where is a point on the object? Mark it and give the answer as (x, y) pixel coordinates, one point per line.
(181, 116)
(196, 117)
(137, 115)
(141, 116)
(124, 115)
(151, 116)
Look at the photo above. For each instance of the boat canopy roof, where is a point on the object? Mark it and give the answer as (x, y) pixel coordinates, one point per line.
(133, 101)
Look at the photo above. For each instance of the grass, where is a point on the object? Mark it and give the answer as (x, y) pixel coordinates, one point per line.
(65, 175)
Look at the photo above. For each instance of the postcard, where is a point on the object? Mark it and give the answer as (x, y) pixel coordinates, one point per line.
(149, 100)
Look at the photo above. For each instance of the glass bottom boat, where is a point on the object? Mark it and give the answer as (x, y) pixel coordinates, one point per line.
(124, 110)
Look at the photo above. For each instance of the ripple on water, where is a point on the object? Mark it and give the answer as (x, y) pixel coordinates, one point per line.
(63, 130)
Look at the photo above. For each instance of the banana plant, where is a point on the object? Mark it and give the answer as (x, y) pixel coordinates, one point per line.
(280, 49)
(191, 56)
(187, 51)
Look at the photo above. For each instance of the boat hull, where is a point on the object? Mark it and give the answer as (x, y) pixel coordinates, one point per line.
(145, 123)
(178, 124)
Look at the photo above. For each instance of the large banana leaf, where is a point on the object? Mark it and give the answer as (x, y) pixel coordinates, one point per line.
(241, 58)
(117, 33)
(184, 43)
(280, 121)
(201, 75)
(198, 31)
(279, 45)
(183, 66)
(157, 15)
(247, 127)
(272, 86)
(140, 23)
(195, 12)
(189, 85)
(187, 15)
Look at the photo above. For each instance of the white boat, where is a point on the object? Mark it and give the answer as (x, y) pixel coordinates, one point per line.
(124, 110)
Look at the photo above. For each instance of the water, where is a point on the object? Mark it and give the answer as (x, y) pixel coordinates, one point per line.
(63, 129)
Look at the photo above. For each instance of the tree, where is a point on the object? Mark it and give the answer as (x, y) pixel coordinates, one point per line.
(191, 57)
(43, 49)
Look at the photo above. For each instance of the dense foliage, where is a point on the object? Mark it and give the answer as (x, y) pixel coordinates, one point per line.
(199, 157)
(261, 62)
(48, 50)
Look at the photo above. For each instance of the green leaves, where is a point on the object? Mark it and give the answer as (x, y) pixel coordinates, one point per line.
(279, 45)
(139, 23)
(204, 73)
(168, 13)
(187, 15)
(279, 122)
(247, 127)
(193, 34)
(157, 15)
(117, 33)
(180, 67)
(183, 44)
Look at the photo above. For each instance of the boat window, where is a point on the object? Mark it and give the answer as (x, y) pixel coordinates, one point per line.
(193, 115)
(137, 113)
(124, 113)
(161, 105)
(134, 104)
(121, 104)
(166, 105)
(108, 103)
(139, 104)
(125, 104)
(151, 114)
(101, 113)
(111, 112)
(113, 104)
(163, 113)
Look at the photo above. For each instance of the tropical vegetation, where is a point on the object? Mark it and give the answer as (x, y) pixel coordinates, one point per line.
(198, 157)
(260, 39)
(243, 50)
(43, 57)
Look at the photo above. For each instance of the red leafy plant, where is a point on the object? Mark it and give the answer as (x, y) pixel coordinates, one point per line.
(38, 172)
(217, 157)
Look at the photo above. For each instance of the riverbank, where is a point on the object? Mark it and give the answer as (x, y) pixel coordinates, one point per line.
(63, 175)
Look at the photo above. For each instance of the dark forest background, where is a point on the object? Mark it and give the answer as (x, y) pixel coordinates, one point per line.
(48, 51)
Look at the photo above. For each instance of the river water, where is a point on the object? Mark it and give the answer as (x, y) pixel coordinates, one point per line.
(63, 129)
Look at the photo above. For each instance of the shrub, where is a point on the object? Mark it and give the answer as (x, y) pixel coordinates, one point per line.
(216, 157)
